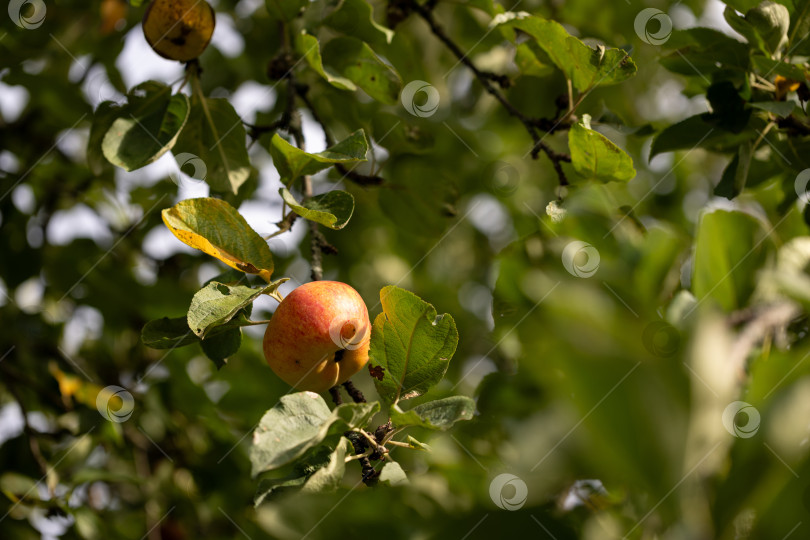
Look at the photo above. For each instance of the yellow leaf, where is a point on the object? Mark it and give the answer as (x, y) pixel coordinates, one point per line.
(215, 227)
(784, 86)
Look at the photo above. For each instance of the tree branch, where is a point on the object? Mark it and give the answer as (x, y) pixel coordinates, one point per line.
(354, 392)
(532, 125)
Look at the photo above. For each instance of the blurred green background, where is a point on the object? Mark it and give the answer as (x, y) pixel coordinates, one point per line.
(605, 394)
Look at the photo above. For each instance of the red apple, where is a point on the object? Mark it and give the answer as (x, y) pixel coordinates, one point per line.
(318, 336)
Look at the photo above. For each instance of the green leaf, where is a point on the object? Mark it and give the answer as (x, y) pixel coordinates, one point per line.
(285, 10)
(356, 18)
(217, 303)
(697, 132)
(727, 255)
(393, 475)
(307, 46)
(772, 22)
(356, 61)
(700, 52)
(292, 162)
(744, 28)
(270, 486)
(438, 414)
(328, 477)
(169, 333)
(769, 66)
(105, 115)
(743, 165)
(411, 344)
(215, 134)
(529, 57)
(417, 445)
(586, 67)
(595, 156)
(333, 209)
(146, 127)
(798, 44)
(222, 346)
(216, 228)
(17, 486)
(299, 422)
(781, 109)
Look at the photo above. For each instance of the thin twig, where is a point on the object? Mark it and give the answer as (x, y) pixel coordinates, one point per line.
(532, 125)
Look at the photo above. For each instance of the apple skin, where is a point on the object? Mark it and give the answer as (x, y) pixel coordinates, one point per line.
(310, 325)
(179, 29)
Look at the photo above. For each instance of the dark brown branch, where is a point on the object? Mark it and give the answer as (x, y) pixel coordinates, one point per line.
(354, 392)
(486, 79)
(334, 392)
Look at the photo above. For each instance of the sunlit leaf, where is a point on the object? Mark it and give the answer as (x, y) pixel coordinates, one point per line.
(595, 156)
(307, 46)
(217, 303)
(438, 414)
(292, 162)
(356, 61)
(216, 228)
(146, 127)
(215, 135)
(333, 209)
(411, 344)
(299, 422)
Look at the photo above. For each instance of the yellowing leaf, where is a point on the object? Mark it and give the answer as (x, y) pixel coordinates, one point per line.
(215, 227)
(73, 386)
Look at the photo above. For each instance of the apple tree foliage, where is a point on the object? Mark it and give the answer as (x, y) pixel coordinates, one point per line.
(611, 199)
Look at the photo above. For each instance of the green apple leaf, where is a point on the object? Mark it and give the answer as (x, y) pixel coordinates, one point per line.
(781, 109)
(292, 162)
(146, 127)
(728, 250)
(410, 345)
(356, 61)
(333, 209)
(104, 116)
(585, 66)
(392, 474)
(355, 18)
(764, 64)
(215, 135)
(697, 132)
(307, 46)
(328, 477)
(217, 303)
(222, 346)
(594, 156)
(704, 51)
(418, 445)
(301, 421)
(216, 228)
(285, 10)
(170, 333)
(438, 414)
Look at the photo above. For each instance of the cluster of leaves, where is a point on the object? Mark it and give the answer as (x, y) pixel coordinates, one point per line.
(757, 91)
(602, 385)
